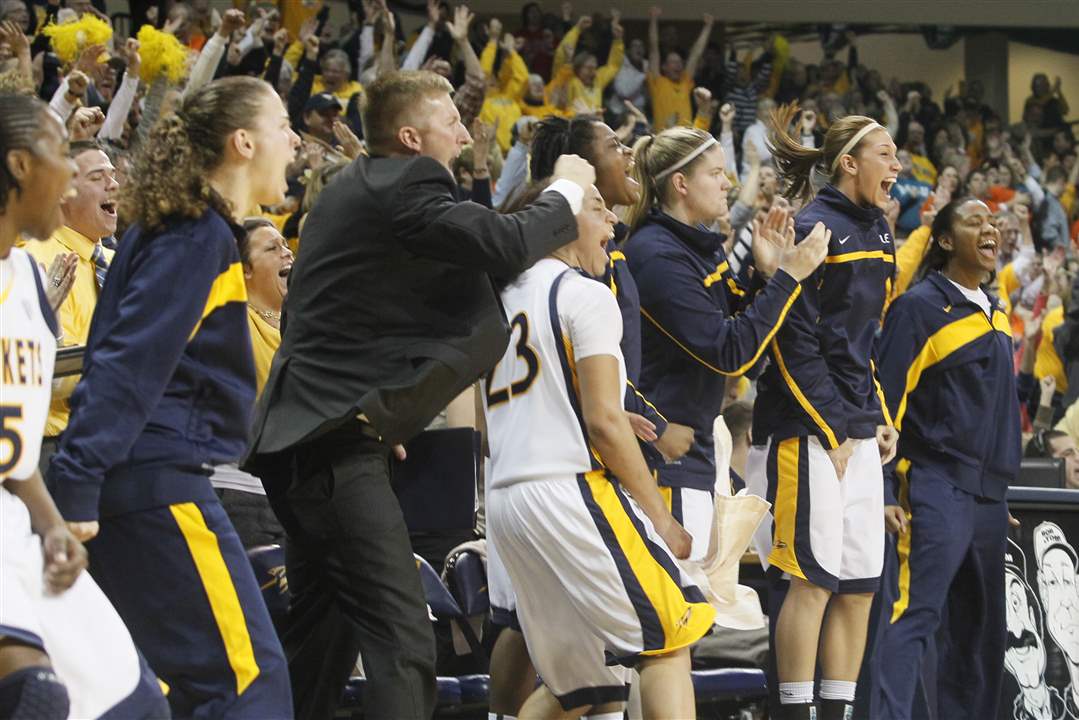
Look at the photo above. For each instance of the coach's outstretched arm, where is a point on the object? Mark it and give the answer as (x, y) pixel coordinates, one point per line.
(430, 222)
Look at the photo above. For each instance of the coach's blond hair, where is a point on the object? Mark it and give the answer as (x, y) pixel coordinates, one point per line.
(394, 101)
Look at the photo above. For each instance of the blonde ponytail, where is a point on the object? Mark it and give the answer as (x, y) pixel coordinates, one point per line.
(796, 163)
(655, 157)
(639, 210)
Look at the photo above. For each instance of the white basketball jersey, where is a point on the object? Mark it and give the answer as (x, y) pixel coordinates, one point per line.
(27, 356)
(534, 423)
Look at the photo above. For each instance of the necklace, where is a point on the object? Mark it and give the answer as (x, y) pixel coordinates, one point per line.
(267, 315)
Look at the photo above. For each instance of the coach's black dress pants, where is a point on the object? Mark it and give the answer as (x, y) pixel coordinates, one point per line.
(353, 580)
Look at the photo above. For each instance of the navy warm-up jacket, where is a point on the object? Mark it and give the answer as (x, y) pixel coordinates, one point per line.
(820, 381)
(699, 326)
(168, 379)
(619, 279)
(948, 377)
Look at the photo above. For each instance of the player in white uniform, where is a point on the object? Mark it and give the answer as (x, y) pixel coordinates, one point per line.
(591, 563)
(64, 652)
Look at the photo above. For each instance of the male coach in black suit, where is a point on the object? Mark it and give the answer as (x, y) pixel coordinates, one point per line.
(390, 314)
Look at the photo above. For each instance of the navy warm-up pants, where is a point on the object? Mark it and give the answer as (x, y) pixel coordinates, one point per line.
(949, 563)
(180, 580)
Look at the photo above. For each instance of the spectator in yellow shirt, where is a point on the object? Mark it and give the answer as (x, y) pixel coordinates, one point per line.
(89, 216)
(670, 83)
(507, 77)
(585, 81)
(537, 102)
(336, 77)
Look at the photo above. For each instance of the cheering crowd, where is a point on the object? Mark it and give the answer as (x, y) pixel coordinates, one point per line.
(872, 286)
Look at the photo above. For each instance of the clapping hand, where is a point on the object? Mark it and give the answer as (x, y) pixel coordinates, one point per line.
(801, 260)
(60, 277)
(351, 145)
(772, 237)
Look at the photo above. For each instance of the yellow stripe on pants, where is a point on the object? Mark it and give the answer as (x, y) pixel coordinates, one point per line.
(902, 470)
(216, 581)
(783, 555)
(683, 622)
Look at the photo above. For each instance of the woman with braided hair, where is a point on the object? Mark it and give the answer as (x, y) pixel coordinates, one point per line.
(820, 428)
(165, 396)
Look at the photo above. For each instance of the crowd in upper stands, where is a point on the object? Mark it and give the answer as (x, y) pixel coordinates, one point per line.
(111, 81)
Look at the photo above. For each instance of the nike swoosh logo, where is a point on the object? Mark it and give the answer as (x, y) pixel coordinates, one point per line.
(844, 240)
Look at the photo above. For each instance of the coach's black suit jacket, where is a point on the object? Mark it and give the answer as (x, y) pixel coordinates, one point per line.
(391, 311)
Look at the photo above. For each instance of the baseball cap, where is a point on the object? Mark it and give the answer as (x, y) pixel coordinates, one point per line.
(1047, 536)
(321, 101)
(1015, 561)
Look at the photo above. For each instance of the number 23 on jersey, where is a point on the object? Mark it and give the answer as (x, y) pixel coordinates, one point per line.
(524, 352)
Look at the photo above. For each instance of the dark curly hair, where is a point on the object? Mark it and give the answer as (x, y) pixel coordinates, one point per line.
(20, 122)
(170, 175)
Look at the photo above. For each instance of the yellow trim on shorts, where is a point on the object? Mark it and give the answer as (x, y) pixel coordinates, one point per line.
(683, 622)
(902, 470)
(217, 582)
(783, 555)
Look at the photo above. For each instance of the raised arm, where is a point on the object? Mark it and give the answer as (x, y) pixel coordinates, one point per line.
(697, 51)
(213, 51)
(653, 40)
(563, 55)
(121, 103)
(430, 222)
(387, 55)
(606, 74)
(458, 29)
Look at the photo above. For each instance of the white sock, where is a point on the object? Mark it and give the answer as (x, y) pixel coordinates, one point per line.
(499, 716)
(837, 690)
(605, 716)
(796, 693)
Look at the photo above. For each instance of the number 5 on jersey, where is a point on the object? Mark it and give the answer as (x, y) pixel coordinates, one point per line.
(10, 439)
(524, 352)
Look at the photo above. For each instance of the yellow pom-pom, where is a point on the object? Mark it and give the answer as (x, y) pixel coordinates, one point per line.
(162, 54)
(71, 38)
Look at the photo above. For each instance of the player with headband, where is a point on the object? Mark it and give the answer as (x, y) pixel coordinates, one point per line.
(698, 325)
(820, 428)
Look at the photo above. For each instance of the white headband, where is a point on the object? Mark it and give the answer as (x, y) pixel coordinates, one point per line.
(688, 158)
(855, 140)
